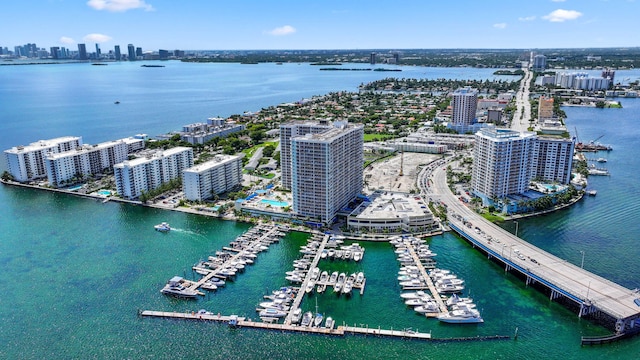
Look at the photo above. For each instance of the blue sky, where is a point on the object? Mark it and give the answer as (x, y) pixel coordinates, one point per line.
(326, 24)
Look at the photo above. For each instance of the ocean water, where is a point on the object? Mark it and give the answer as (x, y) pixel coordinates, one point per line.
(75, 272)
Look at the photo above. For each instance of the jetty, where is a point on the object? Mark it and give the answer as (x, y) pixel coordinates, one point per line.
(432, 288)
(249, 242)
(248, 323)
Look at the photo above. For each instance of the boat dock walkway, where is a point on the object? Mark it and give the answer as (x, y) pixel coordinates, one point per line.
(307, 278)
(268, 233)
(423, 272)
(244, 322)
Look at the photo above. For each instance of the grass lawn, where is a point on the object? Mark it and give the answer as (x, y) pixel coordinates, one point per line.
(377, 137)
(250, 151)
(493, 218)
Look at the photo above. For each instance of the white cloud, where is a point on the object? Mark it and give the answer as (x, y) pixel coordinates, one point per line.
(527, 18)
(500, 25)
(562, 15)
(283, 30)
(119, 5)
(66, 40)
(96, 38)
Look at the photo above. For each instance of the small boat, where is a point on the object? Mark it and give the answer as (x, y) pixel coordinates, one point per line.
(601, 160)
(428, 307)
(348, 285)
(414, 295)
(207, 285)
(340, 283)
(317, 320)
(592, 192)
(296, 316)
(310, 285)
(175, 288)
(162, 227)
(272, 312)
(307, 318)
(357, 256)
(116, 102)
(461, 316)
(359, 279)
(333, 278)
(329, 323)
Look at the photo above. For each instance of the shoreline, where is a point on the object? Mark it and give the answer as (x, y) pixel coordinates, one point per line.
(363, 237)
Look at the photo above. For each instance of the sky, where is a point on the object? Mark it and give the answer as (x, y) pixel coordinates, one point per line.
(321, 24)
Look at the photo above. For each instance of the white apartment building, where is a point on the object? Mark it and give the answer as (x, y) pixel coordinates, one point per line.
(84, 160)
(326, 170)
(553, 159)
(501, 162)
(289, 131)
(221, 174)
(27, 163)
(506, 161)
(464, 103)
(147, 173)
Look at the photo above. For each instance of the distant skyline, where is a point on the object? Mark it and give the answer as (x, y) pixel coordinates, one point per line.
(330, 24)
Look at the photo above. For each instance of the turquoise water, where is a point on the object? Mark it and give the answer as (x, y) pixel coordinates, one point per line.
(275, 202)
(76, 271)
(104, 192)
(74, 188)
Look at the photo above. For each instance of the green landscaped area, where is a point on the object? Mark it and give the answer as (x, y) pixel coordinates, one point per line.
(377, 137)
(250, 151)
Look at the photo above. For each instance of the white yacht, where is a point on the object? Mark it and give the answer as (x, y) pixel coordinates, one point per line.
(461, 316)
(272, 312)
(162, 227)
(329, 323)
(175, 288)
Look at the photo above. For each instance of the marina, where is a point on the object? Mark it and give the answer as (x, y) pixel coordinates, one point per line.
(226, 263)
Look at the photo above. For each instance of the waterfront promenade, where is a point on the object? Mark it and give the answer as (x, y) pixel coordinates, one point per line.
(592, 293)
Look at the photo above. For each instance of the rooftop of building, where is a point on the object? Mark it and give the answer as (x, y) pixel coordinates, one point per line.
(391, 205)
(42, 144)
(216, 161)
(153, 155)
(88, 148)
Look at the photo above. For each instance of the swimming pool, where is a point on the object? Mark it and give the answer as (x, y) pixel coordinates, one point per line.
(275, 202)
(104, 192)
(74, 188)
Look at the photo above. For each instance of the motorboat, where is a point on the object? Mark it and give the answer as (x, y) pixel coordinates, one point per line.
(419, 301)
(359, 279)
(340, 283)
(333, 278)
(357, 255)
(175, 288)
(272, 312)
(310, 285)
(428, 307)
(296, 316)
(317, 320)
(412, 282)
(307, 319)
(449, 288)
(455, 299)
(294, 278)
(208, 285)
(329, 323)
(414, 295)
(348, 285)
(162, 227)
(315, 273)
(461, 316)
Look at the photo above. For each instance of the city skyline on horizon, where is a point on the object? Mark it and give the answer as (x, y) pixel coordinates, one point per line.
(287, 25)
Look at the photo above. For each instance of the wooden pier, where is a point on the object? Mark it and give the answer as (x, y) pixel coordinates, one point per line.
(307, 278)
(272, 231)
(432, 288)
(244, 322)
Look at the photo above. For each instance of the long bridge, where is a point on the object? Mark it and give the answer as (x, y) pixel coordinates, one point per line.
(594, 296)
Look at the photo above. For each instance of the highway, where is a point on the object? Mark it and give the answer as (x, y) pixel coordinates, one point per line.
(592, 292)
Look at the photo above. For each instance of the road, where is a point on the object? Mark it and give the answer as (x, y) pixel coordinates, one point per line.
(582, 285)
(522, 116)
